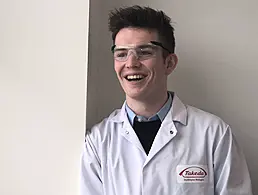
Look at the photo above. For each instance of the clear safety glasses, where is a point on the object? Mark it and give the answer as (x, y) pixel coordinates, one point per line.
(141, 52)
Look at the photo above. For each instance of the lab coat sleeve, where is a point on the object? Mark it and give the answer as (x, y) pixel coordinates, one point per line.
(91, 183)
(231, 174)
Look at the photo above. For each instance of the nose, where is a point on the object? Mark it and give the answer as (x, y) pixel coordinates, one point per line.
(132, 60)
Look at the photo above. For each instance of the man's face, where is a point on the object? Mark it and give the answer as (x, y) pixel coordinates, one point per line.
(142, 78)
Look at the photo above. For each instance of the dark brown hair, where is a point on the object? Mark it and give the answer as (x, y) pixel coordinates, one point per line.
(146, 18)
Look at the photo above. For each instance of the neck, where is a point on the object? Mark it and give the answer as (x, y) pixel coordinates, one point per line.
(147, 107)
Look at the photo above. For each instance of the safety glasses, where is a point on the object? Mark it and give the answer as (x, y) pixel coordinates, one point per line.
(141, 52)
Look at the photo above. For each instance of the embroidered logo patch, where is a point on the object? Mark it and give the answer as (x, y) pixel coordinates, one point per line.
(192, 174)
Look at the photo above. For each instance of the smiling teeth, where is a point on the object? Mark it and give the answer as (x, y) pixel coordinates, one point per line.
(135, 77)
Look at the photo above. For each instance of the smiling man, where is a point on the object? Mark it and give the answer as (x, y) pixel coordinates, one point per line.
(155, 144)
(142, 70)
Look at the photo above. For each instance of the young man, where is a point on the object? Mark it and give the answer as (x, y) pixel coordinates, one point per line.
(155, 144)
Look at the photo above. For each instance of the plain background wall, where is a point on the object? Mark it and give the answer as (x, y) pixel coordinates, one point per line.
(43, 58)
(217, 71)
(103, 94)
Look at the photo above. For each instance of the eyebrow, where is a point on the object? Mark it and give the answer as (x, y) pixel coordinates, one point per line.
(161, 45)
(144, 46)
(120, 48)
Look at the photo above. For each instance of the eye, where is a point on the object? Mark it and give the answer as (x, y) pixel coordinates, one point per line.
(120, 53)
(146, 52)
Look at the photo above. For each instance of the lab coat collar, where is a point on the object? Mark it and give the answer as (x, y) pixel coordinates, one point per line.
(178, 112)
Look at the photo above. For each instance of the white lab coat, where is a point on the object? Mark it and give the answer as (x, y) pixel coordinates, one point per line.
(194, 153)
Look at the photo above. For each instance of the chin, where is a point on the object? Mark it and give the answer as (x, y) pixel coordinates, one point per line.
(136, 95)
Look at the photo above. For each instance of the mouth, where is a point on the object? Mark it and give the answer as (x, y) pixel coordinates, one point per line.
(135, 77)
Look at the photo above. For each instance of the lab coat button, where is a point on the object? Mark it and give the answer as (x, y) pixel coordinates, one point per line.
(127, 132)
(171, 132)
(139, 119)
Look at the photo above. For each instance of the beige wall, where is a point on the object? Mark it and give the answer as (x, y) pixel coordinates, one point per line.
(103, 92)
(217, 71)
(43, 57)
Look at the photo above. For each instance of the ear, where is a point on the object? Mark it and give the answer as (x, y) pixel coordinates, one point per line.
(171, 62)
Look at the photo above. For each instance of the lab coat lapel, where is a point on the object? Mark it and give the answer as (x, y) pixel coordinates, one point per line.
(131, 136)
(168, 130)
(127, 131)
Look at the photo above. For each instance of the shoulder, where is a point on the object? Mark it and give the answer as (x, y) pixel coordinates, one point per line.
(197, 114)
(100, 136)
(206, 123)
(101, 130)
(205, 127)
